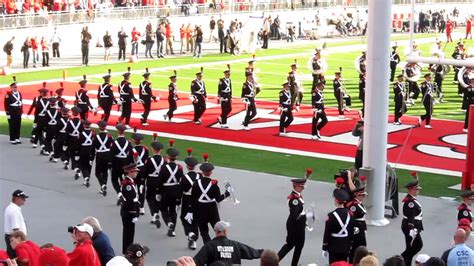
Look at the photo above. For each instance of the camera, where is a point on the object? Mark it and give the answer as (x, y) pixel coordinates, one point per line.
(171, 263)
(70, 229)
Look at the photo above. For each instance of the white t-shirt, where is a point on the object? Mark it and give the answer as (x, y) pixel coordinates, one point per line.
(118, 261)
(14, 219)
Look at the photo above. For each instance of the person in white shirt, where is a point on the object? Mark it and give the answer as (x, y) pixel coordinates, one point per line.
(55, 40)
(14, 220)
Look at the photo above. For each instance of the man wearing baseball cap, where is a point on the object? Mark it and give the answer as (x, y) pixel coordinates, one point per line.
(134, 256)
(13, 219)
(222, 249)
(84, 254)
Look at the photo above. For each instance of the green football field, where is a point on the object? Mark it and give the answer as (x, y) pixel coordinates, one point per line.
(271, 73)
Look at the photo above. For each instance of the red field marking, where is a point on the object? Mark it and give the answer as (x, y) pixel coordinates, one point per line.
(433, 148)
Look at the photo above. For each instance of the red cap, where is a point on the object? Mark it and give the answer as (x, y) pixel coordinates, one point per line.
(54, 256)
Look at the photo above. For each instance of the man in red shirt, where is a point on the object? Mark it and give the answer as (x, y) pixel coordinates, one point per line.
(135, 36)
(27, 252)
(34, 48)
(468, 27)
(84, 254)
(189, 38)
(449, 29)
(53, 256)
(169, 38)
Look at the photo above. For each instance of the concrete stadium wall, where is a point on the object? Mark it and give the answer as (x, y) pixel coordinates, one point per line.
(71, 33)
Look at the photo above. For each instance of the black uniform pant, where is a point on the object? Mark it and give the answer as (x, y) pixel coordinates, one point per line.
(86, 157)
(455, 78)
(14, 126)
(152, 196)
(398, 111)
(358, 159)
(73, 147)
(439, 84)
(226, 108)
(107, 108)
(335, 256)
(466, 119)
(147, 107)
(56, 49)
(315, 124)
(185, 209)
(50, 136)
(11, 252)
(121, 52)
(414, 89)
(26, 58)
(168, 203)
(251, 112)
(340, 103)
(294, 239)
(286, 118)
(317, 78)
(128, 233)
(206, 213)
(85, 54)
(102, 167)
(357, 241)
(140, 180)
(428, 104)
(60, 147)
(117, 173)
(413, 246)
(199, 108)
(37, 134)
(393, 69)
(172, 108)
(84, 111)
(126, 111)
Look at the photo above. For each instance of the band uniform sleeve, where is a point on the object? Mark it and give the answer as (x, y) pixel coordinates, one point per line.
(248, 253)
(409, 211)
(327, 232)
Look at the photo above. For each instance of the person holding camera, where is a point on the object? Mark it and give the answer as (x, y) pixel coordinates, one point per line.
(84, 254)
(134, 256)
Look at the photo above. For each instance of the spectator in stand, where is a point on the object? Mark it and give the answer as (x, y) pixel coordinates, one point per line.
(3, 255)
(107, 46)
(421, 259)
(84, 254)
(149, 41)
(160, 38)
(8, 48)
(27, 252)
(369, 260)
(396, 260)
(134, 256)
(169, 39)
(11, 7)
(85, 39)
(122, 43)
(45, 49)
(198, 41)
(460, 254)
(434, 261)
(269, 258)
(468, 27)
(53, 256)
(266, 32)
(100, 240)
(359, 253)
(189, 39)
(26, 52)
(212, 28)
(55, 40)
(221, 35)
(13, 219)
(34, 49)
(135, 37)
(182, 37)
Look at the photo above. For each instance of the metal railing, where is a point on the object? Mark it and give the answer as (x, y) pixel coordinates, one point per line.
(144, 12)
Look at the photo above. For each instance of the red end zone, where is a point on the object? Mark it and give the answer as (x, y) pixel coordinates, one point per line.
(442, 147)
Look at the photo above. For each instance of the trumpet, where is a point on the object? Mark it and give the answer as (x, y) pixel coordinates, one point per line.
(231, 191)
(317, 66)
(412, 72)
(465, 75)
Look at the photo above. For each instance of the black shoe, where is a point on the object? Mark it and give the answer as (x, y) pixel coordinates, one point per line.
(171, 232)
(119, 201)
(77, 175)
(158, 223)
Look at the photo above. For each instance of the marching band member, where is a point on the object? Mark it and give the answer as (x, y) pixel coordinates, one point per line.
(412, 72)
(316, 67)
(59, 96)
(468, 100)
(153, 168)
(319, 113)
(199, 97)
(106, 97)
(172, 97)
(60, 144)
(74, 129)
(187, 182)
(427, 89)
(458, 54)
(248, 97)
(394, 61)
(296, 223)
(464, 210)
(145, 96)
(286, 108)
(140, 154)
(362, 79)
(412, 223)
(102, 144)
(339, 230)
(82, 99)
(399, 98)
(86, 152)
(339, 93)
(126, 98)
(225, 97)
(52, 124)
(205, 195)
(296, 87)
(129, 211)
(40, 105)
(121, 153)
(360, 227)
(13, 105)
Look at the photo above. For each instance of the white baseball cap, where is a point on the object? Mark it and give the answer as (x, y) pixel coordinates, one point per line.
(422, 258)
(86, 228)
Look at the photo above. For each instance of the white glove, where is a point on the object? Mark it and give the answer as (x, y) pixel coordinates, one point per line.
(356, 230)
(64, 148)
(246, 101)
(8, 116)
(189, 217)
(158, 197)
(309, 215)
(228, 187)
(413, 232)
(134, 220)
(90, 163)
(77, 158)
(297, 108)
(142, 188)
(325, 255)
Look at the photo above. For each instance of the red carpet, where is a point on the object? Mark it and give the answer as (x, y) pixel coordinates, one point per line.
(441, 147)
